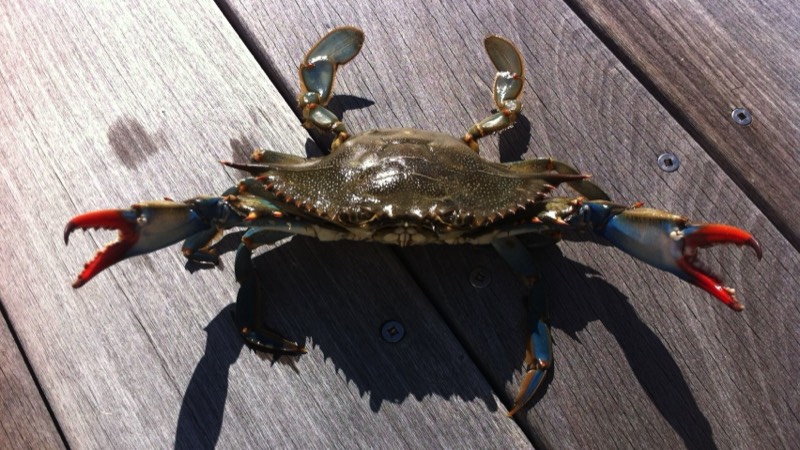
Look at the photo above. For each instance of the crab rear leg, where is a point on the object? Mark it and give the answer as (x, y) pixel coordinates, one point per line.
(539, 352)
(250, 301)
(507, 89)
(317, 76)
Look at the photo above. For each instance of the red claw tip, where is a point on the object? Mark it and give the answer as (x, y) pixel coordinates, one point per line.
(711, 234)
(708, 235)
(109, 219)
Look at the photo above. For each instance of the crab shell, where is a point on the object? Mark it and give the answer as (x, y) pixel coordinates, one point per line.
(405, 187)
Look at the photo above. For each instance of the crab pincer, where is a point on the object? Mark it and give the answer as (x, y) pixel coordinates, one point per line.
(109, 219)
(143, 228)
(669, 242)
(708, 235)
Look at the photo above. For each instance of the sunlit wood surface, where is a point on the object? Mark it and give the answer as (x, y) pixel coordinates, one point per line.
(106, 104)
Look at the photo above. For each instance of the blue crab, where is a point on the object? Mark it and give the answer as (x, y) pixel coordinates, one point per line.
(407, 187)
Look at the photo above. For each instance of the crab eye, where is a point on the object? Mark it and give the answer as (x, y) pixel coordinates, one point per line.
(586, 211)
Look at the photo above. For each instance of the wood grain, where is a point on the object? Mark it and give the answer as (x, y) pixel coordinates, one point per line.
(642, 358)
(106, 104)
(24, 420)
(703, 59)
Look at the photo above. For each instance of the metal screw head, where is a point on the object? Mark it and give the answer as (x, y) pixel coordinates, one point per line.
(392, 331)
(669, 162)
(742, 116)
(480, 277)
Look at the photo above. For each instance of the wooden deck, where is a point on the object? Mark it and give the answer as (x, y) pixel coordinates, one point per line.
(104, 105)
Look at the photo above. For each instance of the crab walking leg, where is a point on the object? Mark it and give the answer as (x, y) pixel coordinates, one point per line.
(539, 353)
(317, 77)
(507, 89)
(250, 299)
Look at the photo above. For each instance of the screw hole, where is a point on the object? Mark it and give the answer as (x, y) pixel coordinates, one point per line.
(480, 278)
(742, 116)
(392, 331)
(669, 162)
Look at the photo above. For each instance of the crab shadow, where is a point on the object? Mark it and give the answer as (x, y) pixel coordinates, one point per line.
(649, 360)
(201, 413)
(334, 298)
(577, 295)
(338, 295)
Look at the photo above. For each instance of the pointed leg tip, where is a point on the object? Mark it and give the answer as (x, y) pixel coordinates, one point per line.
(756, 246)
(79, 282)
(68, 229)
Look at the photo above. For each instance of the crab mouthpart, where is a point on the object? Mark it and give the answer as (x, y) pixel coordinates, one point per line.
(709, 235)
(109, 219)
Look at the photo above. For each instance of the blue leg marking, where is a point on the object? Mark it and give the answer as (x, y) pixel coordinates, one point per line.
(196, 248)
(539, 354)
(249, 302)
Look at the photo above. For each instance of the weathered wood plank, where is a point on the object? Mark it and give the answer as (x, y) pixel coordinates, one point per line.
(24, 420)
(107, 104)
(705, 58)
(642, 358)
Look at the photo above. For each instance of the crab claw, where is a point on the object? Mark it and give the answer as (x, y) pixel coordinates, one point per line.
(669, 242)
(143, 228)
(708, 235)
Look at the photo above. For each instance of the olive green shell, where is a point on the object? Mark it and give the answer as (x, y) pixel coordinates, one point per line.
(394, 175)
